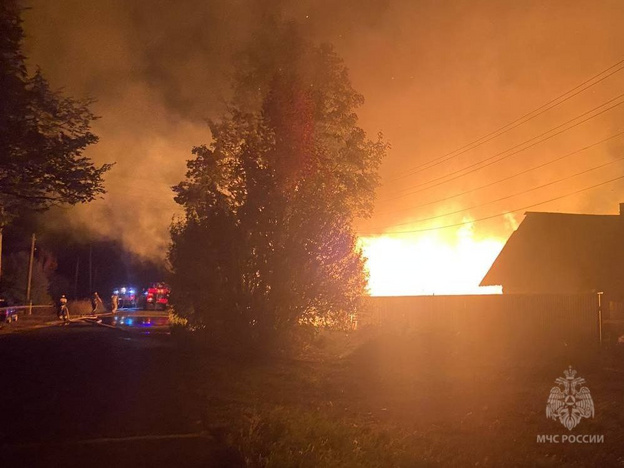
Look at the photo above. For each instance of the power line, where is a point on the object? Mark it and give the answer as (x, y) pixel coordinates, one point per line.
(516, 123)
(513, 195)
(530, 140)
(493, 159)
(552, 161)
(502, 214)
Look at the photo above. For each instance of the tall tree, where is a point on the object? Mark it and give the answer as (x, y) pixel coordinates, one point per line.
(43, 134)
(267, 239)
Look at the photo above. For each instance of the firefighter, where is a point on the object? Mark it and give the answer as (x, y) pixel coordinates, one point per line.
(114, 302)
(63, 312)
(95, 301)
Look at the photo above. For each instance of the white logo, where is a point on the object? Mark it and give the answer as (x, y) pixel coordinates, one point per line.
(566, 403)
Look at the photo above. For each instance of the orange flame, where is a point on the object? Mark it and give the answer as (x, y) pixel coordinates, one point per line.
(434, 262)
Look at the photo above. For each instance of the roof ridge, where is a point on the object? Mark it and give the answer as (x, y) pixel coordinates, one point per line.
(569, 214)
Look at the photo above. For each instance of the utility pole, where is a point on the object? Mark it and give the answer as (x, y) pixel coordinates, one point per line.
(90, 269)
(2, 224)
(76, 278)
(600, 317)
(30, 268)
(1, 228)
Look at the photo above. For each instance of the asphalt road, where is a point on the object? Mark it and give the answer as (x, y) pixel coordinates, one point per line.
(82, 394)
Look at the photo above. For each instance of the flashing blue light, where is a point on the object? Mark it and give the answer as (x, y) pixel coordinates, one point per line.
(131, 291)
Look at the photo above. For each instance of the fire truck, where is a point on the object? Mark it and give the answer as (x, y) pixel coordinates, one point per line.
(156, 296)
(128, 297)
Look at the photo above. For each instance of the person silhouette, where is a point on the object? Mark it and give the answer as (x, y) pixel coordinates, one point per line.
(114, 303)
(63, 313)
(95, 302)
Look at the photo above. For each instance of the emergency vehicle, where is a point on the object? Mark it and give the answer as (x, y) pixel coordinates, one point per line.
(127, 297)
(156, 296)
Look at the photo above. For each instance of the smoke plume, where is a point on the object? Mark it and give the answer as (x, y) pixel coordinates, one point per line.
(436, 75)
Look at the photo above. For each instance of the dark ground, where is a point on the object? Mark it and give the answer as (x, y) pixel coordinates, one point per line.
(84, 395)
(65, 388)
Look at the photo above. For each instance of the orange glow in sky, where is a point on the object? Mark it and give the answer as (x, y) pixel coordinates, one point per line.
(436, 262)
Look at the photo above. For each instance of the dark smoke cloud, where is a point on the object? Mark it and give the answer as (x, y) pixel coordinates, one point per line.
(435, 75)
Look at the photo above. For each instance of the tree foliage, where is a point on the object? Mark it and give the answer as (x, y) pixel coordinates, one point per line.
(267, 239)
(42, 133)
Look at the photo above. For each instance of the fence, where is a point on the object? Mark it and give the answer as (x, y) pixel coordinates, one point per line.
(30, 309)
(514, 320)
(76, 309)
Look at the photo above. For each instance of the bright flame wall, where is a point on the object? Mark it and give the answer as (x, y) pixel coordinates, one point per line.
(429, 263)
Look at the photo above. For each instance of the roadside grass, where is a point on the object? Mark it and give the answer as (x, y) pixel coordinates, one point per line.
(369, 399)
(281, 436)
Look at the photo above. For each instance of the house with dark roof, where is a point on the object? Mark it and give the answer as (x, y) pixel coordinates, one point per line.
(563, 253)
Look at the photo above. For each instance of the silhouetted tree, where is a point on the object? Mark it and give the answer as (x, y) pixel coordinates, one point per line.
(42, 134)
(267, 239)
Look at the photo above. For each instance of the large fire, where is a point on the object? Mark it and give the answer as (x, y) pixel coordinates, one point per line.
(435, 262)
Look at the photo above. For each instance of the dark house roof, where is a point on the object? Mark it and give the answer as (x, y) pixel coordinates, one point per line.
(562, 253)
